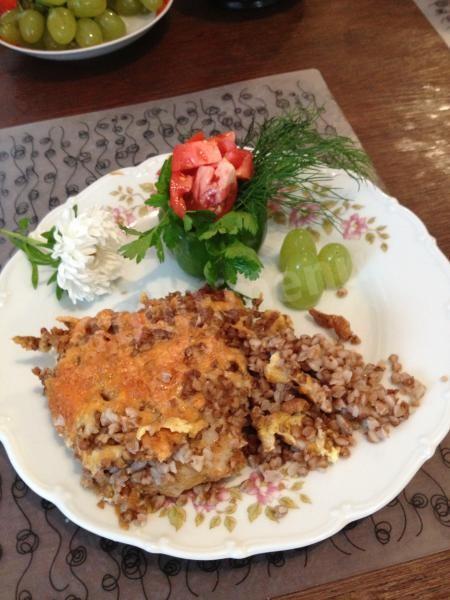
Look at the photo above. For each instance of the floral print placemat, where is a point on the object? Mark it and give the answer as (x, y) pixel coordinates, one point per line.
(438, 13)
(42, 554)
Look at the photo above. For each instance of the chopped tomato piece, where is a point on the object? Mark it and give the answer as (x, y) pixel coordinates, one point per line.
(195, 154)
(246, 170)
(197, 137)
(180, 186)
(202, 181)
(215, 188)
(242, 160)
(225, 141)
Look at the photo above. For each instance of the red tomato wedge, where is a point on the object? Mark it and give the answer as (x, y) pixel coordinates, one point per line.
(225, 141)
(242, 160)
(202, 181)
(195, 154)
(6, 5)
(215, 188)
(197, 137)
(180, 185)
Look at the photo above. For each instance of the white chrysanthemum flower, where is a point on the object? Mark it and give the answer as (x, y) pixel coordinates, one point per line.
(87, 246)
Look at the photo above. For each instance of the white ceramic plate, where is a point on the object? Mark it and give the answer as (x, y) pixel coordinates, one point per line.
(398, 301)
(136, 27)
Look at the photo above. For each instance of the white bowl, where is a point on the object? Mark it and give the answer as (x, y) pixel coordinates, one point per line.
(136, 27)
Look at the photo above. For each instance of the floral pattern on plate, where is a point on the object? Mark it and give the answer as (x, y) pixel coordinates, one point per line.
(216, 506)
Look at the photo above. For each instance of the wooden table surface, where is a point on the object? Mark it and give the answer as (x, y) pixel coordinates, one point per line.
(385, 65)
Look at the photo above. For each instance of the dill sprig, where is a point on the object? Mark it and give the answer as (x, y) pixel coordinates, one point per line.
(289, 155)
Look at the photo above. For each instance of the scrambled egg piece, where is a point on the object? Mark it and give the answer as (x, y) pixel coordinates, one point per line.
(274, 372)
(175, 425)
(278, 423)
(332, 454)
(281, 424)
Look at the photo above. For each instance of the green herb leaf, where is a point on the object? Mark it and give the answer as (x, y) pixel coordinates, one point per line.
(157, 200)
(211, 272)
(137, 249)
(34, 275)
(201, 220)
(50, 237)
(230, 273)
(15, 236)
(232, 223)
(53, 277)
(23, 224)
(159, 247)
(59, 292)
(187, 223)
(244, 259)
(129, 230)
(172, 232)
(163, 183)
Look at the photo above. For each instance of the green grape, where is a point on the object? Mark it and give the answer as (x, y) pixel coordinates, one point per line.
(152, 5)
(88, 33)
(127, 8)
(303, 283)
(336, 264)
(10, 33)
(50, 44)
(10, 16)
(61, 25)
(112, 25)
(31, 26)
(86, 8)
(295, 242)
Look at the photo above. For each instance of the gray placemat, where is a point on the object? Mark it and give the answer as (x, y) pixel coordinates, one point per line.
(44, 556)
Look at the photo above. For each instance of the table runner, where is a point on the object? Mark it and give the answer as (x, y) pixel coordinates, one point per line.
(438, 13)
(42, 554)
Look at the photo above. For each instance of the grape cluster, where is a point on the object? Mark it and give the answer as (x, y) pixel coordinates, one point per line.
(307, 273)
(66, 24)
